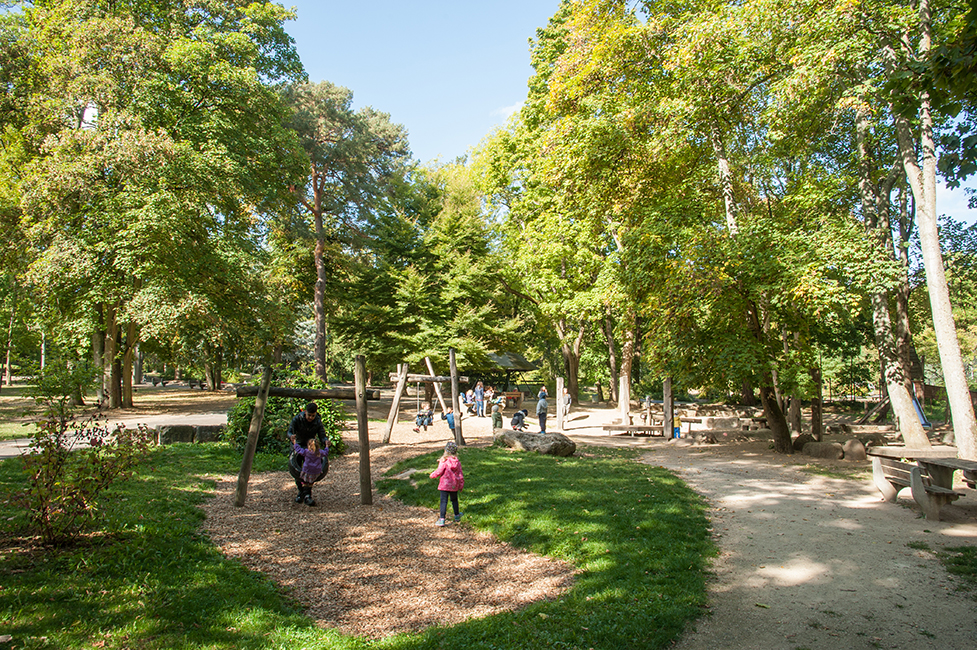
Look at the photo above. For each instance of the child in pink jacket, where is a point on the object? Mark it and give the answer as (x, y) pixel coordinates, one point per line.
(452, 481)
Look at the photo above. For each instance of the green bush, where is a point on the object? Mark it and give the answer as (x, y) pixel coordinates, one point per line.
(279, 412)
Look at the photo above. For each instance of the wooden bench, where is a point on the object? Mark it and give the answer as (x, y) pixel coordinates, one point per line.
(634, 428)
(891, 475)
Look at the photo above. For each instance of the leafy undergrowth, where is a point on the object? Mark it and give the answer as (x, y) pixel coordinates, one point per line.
(148, 578)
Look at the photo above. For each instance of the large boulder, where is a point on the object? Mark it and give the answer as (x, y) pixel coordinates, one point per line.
(167, 434)
(854, 449)
(802, 440)
(832, 450)
(553, 444)
(730, 424)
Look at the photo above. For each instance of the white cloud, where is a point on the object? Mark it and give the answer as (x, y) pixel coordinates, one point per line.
(506, 111)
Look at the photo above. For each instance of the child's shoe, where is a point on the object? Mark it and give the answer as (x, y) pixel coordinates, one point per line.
(416, 430)
(458, 516)
(440, 522)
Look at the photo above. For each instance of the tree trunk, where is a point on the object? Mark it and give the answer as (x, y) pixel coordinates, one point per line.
(627, 358)
(775, 417)
(570, 350)
(128, 365)
(608, 327)
(111, 376)
(748, 396)
(8, 377)
(98, 356)
(214, 369)
(137, 366)
(725, 177)
(817, 412)
(922, 179)
(875, 213)
(320, 300)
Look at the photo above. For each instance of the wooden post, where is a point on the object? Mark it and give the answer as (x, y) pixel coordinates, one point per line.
(668, 405)
(648, 415)
(437, 386)
(256, 416)
(363, 429)
(559, 404)
(455, 402)
(395, 407)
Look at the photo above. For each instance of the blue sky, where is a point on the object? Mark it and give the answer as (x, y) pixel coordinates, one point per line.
(449, 71)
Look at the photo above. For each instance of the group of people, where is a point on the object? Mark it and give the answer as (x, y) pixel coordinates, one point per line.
(309, 459)
(476, 399)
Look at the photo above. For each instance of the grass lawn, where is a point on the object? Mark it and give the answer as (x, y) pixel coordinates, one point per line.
(149, 579)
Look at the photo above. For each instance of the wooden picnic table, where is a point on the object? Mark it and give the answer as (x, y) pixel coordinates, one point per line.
(931, 479)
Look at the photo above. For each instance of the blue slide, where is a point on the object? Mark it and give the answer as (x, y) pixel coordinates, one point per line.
(922, 418)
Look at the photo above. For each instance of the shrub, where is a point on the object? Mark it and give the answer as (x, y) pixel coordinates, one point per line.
(279, 412)
(68, 464)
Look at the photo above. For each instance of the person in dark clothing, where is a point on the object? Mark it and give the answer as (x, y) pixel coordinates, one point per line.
(305, 426)
(519, 420)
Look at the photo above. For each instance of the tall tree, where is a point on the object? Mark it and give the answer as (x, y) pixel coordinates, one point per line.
(353, 157)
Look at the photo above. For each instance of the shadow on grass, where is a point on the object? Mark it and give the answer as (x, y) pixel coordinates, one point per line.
(636, 533)
(150, 579)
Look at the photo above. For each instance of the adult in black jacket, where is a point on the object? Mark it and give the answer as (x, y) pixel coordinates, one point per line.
(304, 427)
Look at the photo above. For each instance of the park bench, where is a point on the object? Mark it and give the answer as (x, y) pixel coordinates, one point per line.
(890, 475)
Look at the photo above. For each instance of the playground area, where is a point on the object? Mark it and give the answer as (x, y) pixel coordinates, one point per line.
(810, 556)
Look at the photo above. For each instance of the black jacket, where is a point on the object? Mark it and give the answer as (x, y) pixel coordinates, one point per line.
(303, 430)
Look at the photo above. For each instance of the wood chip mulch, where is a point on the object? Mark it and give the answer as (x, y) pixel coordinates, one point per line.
(377, 570)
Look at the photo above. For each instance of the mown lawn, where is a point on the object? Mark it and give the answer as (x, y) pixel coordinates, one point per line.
(149, 579)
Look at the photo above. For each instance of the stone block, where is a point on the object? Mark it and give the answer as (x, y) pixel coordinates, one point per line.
(209, 432)
(167, 434)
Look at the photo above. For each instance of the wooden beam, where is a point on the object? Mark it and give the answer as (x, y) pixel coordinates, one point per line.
(256, 416)
(309, 393)
(395, 406)
(435, 378)
(363, 431)
(437, 385)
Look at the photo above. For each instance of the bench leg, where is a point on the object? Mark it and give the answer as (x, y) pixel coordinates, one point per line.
(930, 503)
(889, 490)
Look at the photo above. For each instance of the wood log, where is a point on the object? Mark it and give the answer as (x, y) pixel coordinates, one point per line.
(424, 378)
(308, 393)
(241, 494)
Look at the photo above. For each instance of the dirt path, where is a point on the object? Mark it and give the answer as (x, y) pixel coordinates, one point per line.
(814, 562)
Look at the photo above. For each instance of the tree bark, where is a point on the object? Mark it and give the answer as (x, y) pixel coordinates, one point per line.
(608, 327)
(817, 411)
(98, 354)
(875, 214)
(922, 179)
(725, 177)
(775, 417)
(127, 364)
(7, 373)
(110, 376)
(627, 358)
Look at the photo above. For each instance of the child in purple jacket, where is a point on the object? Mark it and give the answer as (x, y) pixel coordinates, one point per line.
(452, 481)
(311, 466)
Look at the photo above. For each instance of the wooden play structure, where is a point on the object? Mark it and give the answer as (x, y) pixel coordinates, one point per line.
(265, 390)
(402, 377)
